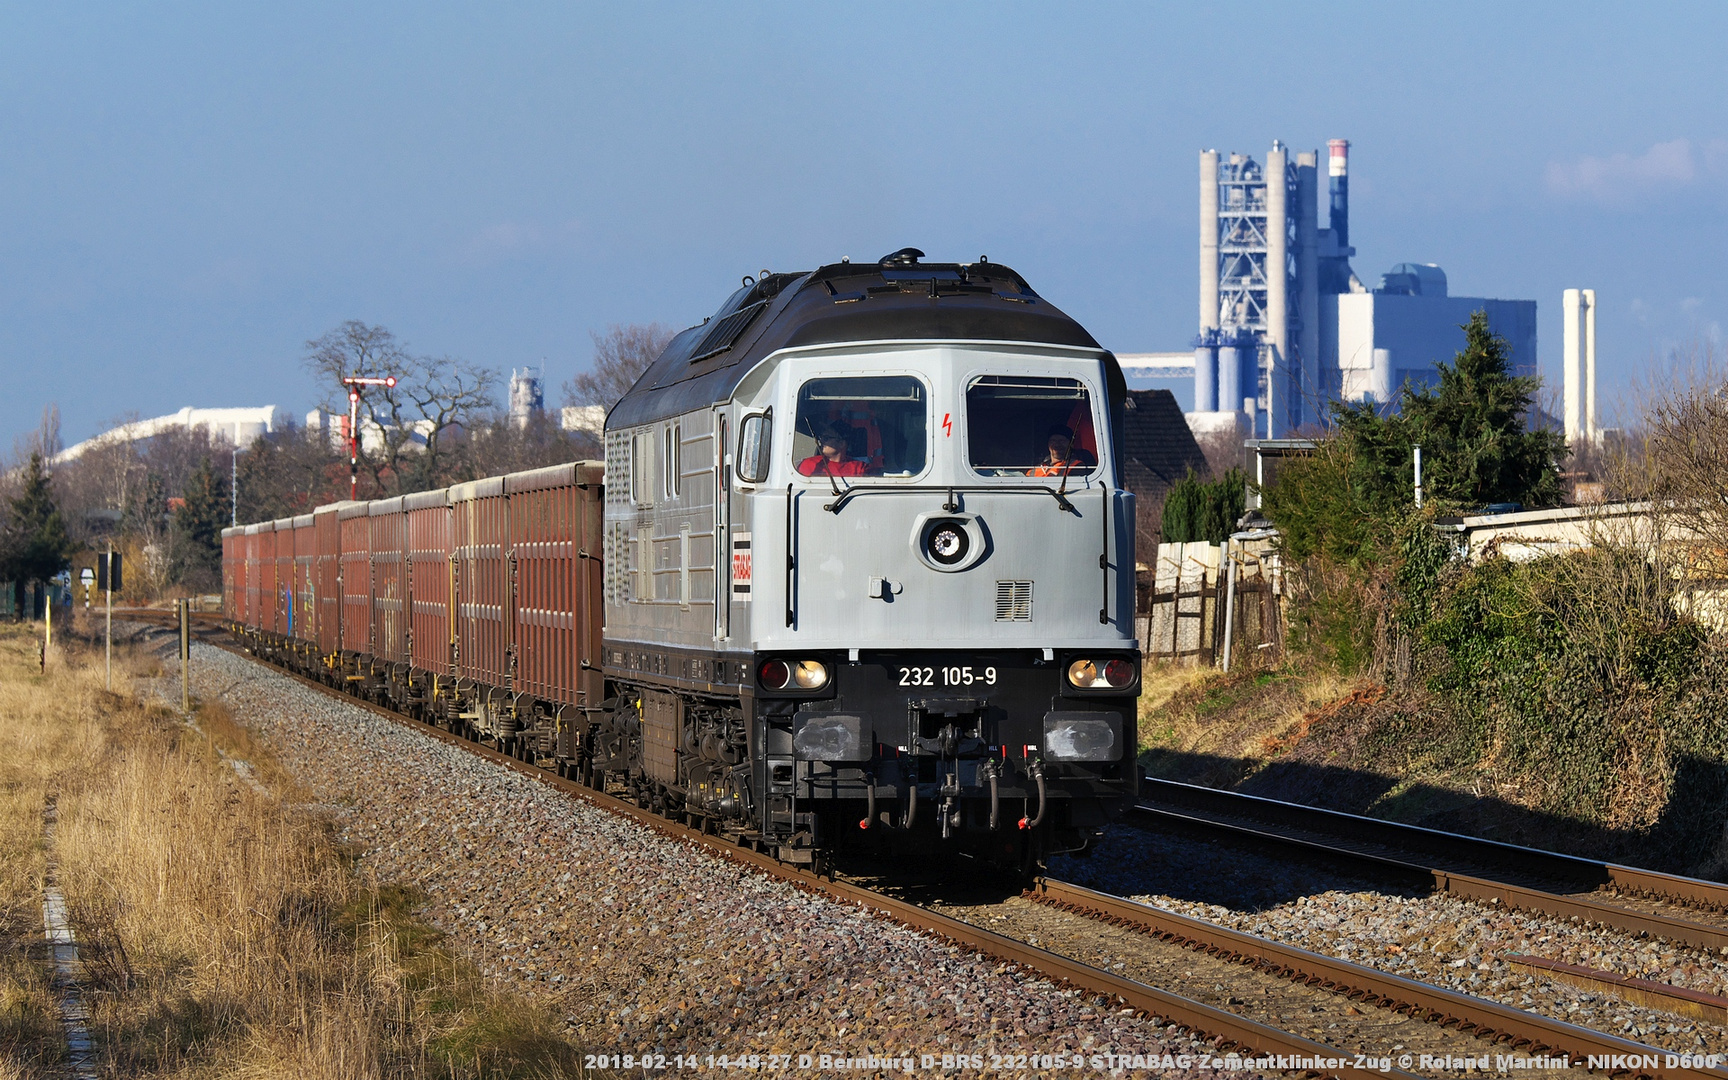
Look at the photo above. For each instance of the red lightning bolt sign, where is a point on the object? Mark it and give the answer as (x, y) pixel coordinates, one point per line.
(948, 424)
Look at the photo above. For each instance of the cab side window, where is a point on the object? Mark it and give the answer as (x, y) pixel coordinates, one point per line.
(672, 460)
(642, 468)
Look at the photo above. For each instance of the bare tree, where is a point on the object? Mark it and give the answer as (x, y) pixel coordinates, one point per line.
(621, 355)
(45, 440)
(1223, 449)
(1686, 447)
(413, 422)
(289, 472)
(97, 488)
(502, 447)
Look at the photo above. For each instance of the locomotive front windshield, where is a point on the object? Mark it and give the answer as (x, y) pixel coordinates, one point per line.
(1020, 425)
(872, 426)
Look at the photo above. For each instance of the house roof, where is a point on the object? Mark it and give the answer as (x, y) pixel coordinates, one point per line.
(1157, 446)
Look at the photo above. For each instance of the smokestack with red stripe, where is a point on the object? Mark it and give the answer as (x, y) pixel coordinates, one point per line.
(1338, 172)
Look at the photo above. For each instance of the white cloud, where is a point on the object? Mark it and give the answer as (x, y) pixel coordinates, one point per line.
(1665, 166)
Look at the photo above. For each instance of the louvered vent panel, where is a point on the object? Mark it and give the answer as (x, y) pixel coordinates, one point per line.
(1013, 601)
(722, 334)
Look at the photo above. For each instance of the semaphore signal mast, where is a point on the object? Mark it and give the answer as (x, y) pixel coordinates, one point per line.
(354, 383)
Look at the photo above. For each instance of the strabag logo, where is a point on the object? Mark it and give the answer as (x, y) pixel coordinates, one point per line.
(741, 566)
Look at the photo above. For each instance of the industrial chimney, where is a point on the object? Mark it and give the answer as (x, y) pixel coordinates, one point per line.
(1338, 172)
(1578, 344)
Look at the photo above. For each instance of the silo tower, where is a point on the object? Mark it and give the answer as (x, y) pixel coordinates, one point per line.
(526, 398)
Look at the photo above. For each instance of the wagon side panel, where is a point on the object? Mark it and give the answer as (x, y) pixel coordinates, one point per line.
(356, 577)
(327, 568)
(389, 584)
(429, 580)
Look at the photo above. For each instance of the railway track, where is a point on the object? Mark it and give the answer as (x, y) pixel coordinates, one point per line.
(1359, 1021)
(1636, 901)
(1346, 1005)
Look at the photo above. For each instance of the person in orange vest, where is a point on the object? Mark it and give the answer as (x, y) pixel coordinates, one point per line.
(1061, 458)
(833, 455)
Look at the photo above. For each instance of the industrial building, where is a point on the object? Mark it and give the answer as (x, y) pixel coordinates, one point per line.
(1286, 326)
(332, 429)
(235, 426)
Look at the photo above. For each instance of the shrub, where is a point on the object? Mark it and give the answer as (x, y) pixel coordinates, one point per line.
(1204, 510)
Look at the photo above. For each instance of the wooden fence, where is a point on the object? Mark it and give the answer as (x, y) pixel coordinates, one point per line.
(1182, 604)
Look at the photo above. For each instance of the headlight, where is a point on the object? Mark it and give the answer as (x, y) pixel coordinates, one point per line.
(793, 675)
(810, 675)
(1106, 675)
(1082, 736)
(947, 542)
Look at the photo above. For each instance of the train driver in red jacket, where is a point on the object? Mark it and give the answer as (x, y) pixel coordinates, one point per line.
(833, 455)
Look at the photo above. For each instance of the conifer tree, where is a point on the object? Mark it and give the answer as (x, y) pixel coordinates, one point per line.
(1203, 510)
(1471, 427)
(35, 543)
(1476, 449)
(203, 513)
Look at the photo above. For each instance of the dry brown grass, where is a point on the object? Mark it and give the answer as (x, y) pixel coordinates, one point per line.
(224, 931)
(1192, 717)
(30, 743)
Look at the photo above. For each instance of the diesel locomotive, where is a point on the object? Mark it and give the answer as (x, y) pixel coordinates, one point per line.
(857, 569)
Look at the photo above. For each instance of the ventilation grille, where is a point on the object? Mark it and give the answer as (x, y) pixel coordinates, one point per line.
(722, 334)
(1013, 601)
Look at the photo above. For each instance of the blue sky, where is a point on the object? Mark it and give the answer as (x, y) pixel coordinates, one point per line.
(190, 192)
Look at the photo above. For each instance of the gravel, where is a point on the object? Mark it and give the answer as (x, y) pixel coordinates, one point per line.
(649, 944)
(1436, 939)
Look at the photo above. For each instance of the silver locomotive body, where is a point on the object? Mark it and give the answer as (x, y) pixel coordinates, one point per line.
(869, 567)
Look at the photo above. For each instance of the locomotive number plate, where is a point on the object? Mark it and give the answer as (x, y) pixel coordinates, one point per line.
(951, 675)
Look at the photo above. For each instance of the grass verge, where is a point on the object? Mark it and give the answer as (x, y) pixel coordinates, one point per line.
(1203, 726)
(225, 932)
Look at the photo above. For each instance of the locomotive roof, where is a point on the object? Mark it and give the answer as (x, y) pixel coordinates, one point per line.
(895, 299)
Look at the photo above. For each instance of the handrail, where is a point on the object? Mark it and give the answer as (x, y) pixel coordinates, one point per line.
(947, 489)
(791, 558)
(1104, 554)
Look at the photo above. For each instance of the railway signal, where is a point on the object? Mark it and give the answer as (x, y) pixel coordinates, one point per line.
(184, 609)
(354, 383)
(107, 580)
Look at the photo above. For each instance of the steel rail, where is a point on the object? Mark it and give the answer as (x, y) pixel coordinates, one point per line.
(1471, 1015)
(1438, 844)
(1465, 886)
(1227, 1028)
(1675, 999)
